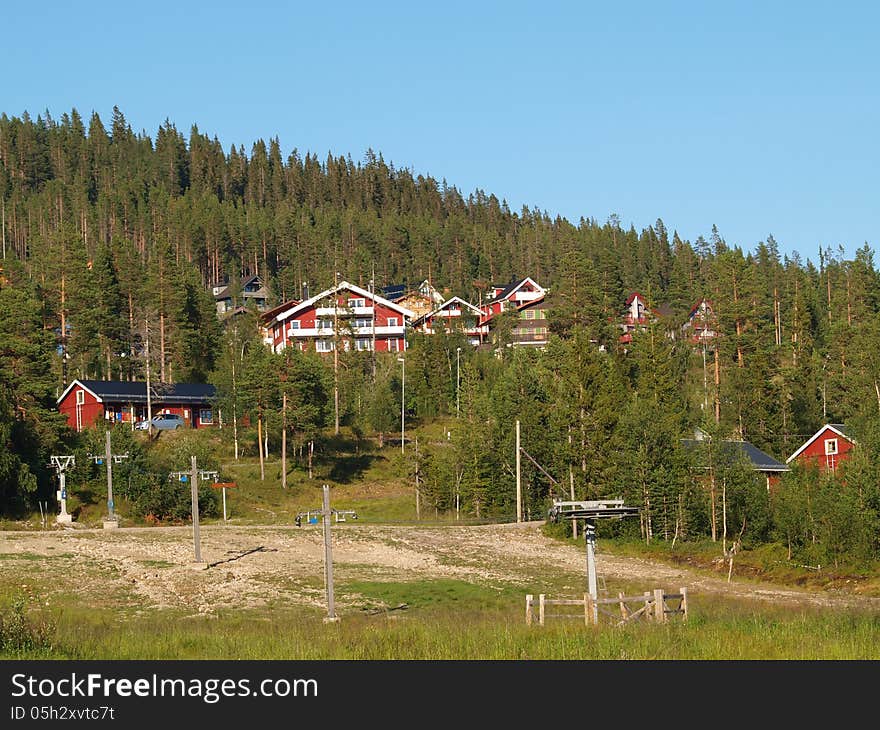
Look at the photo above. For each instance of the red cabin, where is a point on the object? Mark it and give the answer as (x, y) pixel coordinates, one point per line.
(91, 402)
(826, 448)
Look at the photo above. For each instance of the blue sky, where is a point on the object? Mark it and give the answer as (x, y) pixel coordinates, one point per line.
(760, 118)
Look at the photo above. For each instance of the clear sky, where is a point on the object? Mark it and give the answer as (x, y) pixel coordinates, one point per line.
(758, 117)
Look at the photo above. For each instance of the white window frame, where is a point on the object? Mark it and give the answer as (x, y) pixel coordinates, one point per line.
(80, 397)
(392, 322)
(831, 447)
(209, 419)
(357, 302)
(323, 345)
(295, 324)
(324, 324)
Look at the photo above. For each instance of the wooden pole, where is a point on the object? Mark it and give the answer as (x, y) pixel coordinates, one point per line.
(284, 441)
(224, 504)
(659, 613)
(647, 607)
(588, 609)
(623, 612)
(518, 478)
(194, 491)
(684, 602)
(418, 495)
(528, 609)
(541, 609)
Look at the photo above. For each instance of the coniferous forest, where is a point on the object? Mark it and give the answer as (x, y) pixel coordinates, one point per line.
(113, 238)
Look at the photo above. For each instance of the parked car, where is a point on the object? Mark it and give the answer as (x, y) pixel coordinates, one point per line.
(163, 422)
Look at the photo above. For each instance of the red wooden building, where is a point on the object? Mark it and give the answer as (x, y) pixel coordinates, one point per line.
(91, 402)
(454, 315)
(701, 327)
(637, 317)
(358, 319)
(512, 295)
(826, 448)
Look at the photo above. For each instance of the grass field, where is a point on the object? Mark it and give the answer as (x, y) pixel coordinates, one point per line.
(432, 590)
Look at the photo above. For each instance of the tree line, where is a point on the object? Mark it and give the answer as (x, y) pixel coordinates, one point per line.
(112, 239)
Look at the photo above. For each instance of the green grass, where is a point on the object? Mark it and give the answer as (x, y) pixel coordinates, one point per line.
(448, 621)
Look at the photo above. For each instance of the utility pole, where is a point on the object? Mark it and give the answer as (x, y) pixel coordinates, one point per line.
(336, 352)
(457, 382)
(326, 513)
(373, 319)
(284, 441)
(402, 362)
(193, 477)
(518, 478)
(109, 459)
(149, 398)
(61, 464)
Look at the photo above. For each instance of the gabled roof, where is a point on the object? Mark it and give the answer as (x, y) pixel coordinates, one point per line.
(514, 286)
(696, 306)
(760, 460)
(343, 286)
(125, 391)
(444, 306)
(838, 428)
(270, 314)
(629, 299)
(224, 289)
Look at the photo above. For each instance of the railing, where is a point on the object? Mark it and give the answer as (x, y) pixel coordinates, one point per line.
(654, 606)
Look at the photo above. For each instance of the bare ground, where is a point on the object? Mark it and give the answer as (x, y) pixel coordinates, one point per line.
(144, 569)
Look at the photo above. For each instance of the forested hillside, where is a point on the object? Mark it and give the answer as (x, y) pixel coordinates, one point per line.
(109, 236)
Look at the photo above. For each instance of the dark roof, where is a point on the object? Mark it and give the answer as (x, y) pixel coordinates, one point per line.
(842, 428)
(125, 391)
(759, 460)
(514, 283)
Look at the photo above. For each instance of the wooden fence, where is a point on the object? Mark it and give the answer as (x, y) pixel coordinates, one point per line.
(652, 606)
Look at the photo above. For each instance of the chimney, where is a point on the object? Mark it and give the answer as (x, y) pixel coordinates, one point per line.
(305, 290)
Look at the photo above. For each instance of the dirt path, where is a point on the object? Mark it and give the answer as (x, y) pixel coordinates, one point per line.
(143, 569)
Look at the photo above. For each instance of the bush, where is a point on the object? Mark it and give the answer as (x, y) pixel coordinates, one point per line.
(19, 634)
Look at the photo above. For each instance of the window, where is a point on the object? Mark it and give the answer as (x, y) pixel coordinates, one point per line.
(362, 322)
(206, 416)
(830, 446)
(392, 321)
(361, 302)
(362, 344)
(324, 346)
(295, 324)
(325, 324)
(80, 397)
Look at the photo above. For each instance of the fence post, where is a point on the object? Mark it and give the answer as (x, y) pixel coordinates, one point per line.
(648, 605)
(590, 605)
(659, 605)
(623, 612)
(528, 609)
(541, 609)
(684, 603)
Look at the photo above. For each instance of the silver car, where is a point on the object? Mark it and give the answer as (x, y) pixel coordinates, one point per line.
(163, 422)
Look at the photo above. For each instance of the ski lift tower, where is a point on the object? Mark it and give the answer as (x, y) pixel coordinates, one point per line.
(61, 463)
(311, 517)
(590, 511)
